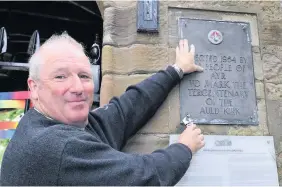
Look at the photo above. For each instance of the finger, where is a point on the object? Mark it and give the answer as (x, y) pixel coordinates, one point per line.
(199, 68)
(177, 51)
(192, 126)
(185, 45)
(192, 49)
(180, 45)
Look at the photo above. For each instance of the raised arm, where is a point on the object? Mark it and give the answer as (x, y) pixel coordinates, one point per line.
(86, 161)
(125, 115)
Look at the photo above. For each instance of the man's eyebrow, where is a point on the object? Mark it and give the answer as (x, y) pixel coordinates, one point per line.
(64, 69)
(86, 72)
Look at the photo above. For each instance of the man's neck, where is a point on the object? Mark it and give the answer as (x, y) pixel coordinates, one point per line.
(42, 113)
(38, 108)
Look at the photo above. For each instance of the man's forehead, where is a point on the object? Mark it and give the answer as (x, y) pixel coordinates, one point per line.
(62, 49)
(64, 54)
(59, 59)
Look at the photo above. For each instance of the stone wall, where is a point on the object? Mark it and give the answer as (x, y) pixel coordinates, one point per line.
(129, 57)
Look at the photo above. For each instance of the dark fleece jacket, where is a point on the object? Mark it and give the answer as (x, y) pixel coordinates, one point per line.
(47, 152)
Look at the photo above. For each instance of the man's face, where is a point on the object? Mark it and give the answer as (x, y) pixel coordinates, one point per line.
(65, 88)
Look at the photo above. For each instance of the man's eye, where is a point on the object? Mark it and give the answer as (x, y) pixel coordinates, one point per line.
(60, 77)
(84, 76)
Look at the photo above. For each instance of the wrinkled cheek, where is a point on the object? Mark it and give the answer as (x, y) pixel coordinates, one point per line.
(59, 89)
(59, 92)
(89, 89)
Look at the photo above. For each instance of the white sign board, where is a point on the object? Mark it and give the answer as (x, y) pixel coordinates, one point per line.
(232, 161)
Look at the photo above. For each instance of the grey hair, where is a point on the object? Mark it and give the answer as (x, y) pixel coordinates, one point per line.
(37, 59)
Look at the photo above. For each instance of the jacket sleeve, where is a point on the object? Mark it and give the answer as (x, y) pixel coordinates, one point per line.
(92, 163)
(125, 115)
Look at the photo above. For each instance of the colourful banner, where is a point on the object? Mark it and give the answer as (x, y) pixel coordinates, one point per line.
(6, 134)
(12, 103)
(8, 125)
(14, 95)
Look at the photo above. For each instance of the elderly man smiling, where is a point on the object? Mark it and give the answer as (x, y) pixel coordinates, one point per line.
(60, 142)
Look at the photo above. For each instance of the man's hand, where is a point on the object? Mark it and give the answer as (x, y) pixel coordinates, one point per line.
(192, 137)
(185, 57)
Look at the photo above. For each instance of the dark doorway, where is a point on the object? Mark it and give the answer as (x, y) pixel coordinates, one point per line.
(81, 19)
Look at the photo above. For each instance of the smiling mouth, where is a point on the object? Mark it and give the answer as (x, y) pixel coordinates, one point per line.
(77, 102)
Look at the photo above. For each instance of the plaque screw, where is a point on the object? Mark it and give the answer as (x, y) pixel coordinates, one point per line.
(251, 117)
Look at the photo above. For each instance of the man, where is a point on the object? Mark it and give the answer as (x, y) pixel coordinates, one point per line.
(59, 142)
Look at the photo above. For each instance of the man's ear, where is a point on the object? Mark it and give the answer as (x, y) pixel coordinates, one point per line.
(33, 87)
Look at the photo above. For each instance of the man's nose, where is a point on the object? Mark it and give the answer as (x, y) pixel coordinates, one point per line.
(76, 85)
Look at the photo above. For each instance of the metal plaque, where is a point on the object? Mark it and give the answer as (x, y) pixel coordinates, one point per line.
(225, 92)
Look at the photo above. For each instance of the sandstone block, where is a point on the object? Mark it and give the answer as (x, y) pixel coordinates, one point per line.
(279, 146)
(136, 58)
(146, 143)
(120, 26)
(171, 55)
(100, 5)
(274, 116)
(159, 123)
(115, 85)
(109, 3)
(245, 131)
(208, 129)
(118, 3)
(273, 91)
(164, 120)
(174, 110)
(222, 6)
(271, 31)
(280, 175)
(108, 26)
(272, 66)
(214, 129)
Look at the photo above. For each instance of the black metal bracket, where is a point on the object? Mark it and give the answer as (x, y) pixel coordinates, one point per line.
(148, 16)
